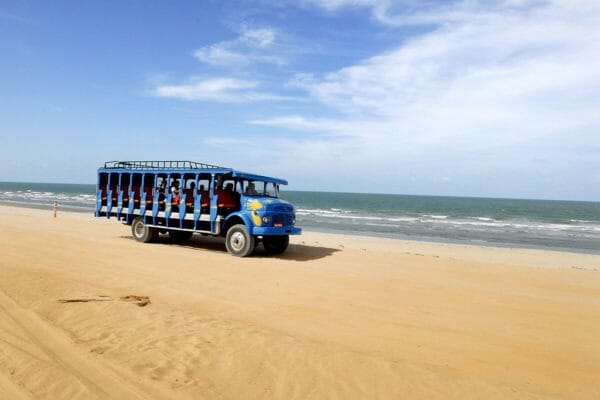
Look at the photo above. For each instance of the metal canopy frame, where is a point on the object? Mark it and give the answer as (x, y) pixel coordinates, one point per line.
(182, 167)
(159, 165)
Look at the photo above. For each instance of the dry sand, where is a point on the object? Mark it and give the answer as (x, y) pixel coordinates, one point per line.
(336, 317)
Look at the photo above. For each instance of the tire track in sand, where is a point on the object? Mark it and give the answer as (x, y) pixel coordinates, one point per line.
(97, 377)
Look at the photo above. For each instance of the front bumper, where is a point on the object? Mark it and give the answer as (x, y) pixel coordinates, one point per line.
(272, 231)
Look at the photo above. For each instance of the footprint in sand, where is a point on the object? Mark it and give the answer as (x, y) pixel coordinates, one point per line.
(140, 301)
(86, 299)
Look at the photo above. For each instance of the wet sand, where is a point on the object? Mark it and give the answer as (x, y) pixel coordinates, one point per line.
(88, 313)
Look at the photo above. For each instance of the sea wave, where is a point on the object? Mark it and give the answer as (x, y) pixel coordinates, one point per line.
(474, 222)
(44, 197)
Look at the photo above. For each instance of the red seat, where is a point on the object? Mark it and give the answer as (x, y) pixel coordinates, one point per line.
(227, 199)
(136, 194)
(189, 197)
(114, 192)
(205, 198)
(148, 191)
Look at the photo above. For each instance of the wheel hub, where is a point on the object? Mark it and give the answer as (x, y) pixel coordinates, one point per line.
(139, 229)
(238, 241)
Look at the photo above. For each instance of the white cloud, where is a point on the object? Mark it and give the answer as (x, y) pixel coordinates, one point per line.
(261, 37)
(218, 54)
(481, 96)
(252, 45)
(473, 99)
(302, 123)
(427, 12)
(216, 89)
(337, 4)
(220, 141)
(508, 76)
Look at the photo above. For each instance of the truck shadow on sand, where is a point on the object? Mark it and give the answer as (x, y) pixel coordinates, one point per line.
(295, 252)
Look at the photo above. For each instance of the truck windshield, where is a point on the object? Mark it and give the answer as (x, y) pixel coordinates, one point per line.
(260, 188)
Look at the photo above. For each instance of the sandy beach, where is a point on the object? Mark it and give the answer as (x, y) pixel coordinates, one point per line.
(88, 313)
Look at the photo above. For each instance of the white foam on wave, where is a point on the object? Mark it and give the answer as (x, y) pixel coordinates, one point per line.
(403, 219)
(43, 197)
(475, 223)
(341, 210)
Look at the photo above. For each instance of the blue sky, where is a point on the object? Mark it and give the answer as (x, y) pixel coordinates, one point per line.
(476, 98)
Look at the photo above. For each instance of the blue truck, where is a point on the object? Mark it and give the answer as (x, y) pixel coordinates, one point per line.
(180, 198)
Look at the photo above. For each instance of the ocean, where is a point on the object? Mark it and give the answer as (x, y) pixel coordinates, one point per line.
(543, 224)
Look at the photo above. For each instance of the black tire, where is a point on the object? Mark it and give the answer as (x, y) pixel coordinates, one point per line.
(141, 232)
(239, 242)
(276, 244)
(180, 236)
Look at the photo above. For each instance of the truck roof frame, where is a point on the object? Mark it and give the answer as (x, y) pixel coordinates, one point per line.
(179, 166)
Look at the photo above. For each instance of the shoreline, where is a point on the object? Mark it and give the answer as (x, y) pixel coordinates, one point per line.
(82, 210)
(336, 316)
(517, 256)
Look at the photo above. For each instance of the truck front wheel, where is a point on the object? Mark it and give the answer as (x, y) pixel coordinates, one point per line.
(238, 241)
(276, 244)
(141, 232)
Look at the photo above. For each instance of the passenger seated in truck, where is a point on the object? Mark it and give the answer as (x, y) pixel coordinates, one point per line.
(162, 188)
(219, 183)
(175, 188)
(236, 195)
(250, 190)
(176, 196)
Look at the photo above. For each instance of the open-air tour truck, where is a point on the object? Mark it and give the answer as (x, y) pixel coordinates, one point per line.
(185, 197)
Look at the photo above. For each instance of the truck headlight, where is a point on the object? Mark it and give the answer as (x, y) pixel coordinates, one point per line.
(266, 219)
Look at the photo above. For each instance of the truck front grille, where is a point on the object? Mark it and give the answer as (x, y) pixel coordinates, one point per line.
(285, 219)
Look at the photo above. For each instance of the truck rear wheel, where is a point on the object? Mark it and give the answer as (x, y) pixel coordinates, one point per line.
(141, 232)
(238, 241)
(276, 244)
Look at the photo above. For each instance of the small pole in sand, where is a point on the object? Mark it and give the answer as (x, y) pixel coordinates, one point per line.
(55, 207)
